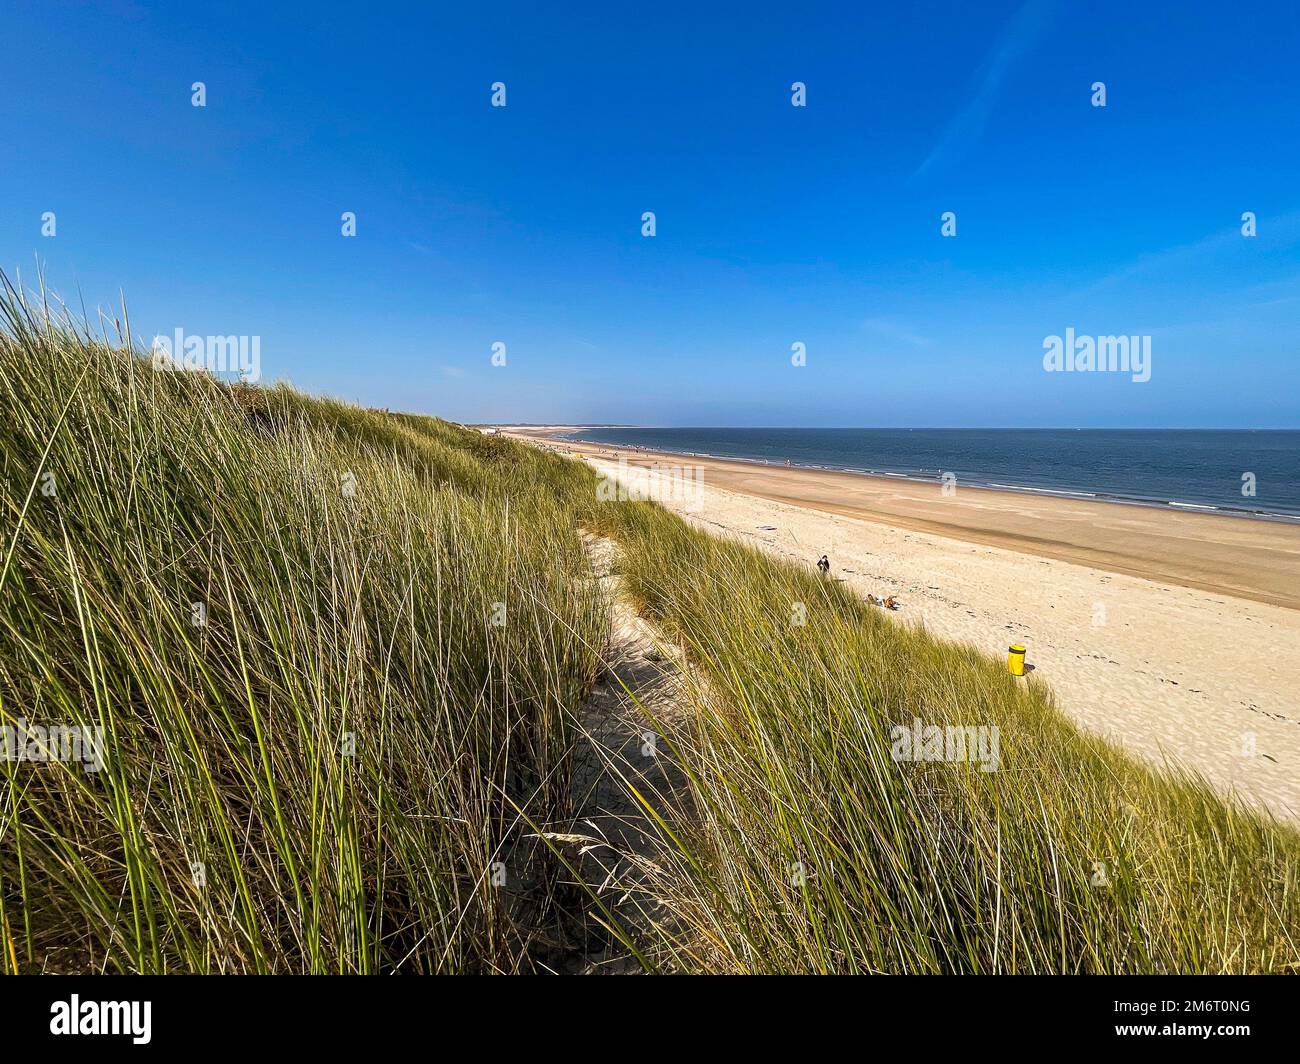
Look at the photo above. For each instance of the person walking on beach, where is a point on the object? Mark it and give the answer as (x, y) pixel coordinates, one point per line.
(824, 564)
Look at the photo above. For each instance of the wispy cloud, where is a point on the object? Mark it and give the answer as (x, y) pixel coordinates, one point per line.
(895, 331)
(1278, 231)
(966, 126)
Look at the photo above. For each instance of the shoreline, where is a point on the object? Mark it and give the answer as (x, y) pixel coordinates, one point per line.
(1177, 675)
(1258, 560)
(1112, 498)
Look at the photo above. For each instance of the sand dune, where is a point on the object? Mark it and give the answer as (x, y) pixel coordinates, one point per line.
(1205, 679)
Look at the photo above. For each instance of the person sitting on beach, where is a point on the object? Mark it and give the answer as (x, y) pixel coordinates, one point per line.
(891, 603)
(824, 564)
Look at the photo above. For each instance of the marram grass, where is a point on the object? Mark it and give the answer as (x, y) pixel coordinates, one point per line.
(338, 658)
(814, 850)
(281, 613)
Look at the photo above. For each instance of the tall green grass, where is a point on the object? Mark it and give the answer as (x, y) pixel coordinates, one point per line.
(814, 850)
(336, 771)
(346, 767)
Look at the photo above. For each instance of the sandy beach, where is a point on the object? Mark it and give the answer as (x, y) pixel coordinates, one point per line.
(1175, 634)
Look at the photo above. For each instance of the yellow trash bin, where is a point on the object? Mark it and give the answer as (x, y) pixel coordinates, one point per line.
(1016, 659)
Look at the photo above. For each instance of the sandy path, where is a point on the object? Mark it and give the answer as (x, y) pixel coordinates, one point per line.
(1169, 671)
(613, 841)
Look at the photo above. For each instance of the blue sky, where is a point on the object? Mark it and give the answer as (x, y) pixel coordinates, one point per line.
(775, 224)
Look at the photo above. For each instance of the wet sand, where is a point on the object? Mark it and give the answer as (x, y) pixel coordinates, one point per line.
(1174, 634)
(1236, 556)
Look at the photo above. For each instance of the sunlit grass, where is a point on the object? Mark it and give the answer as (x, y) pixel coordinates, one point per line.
(325, 756)
(816, 851)
(327, 773)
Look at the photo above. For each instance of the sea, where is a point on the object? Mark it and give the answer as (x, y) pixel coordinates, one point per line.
(1246, 472)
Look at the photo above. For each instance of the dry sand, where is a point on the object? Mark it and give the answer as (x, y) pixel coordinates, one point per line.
(1177, 635)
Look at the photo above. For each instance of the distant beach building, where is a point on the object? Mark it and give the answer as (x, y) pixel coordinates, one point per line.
(488, 432)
